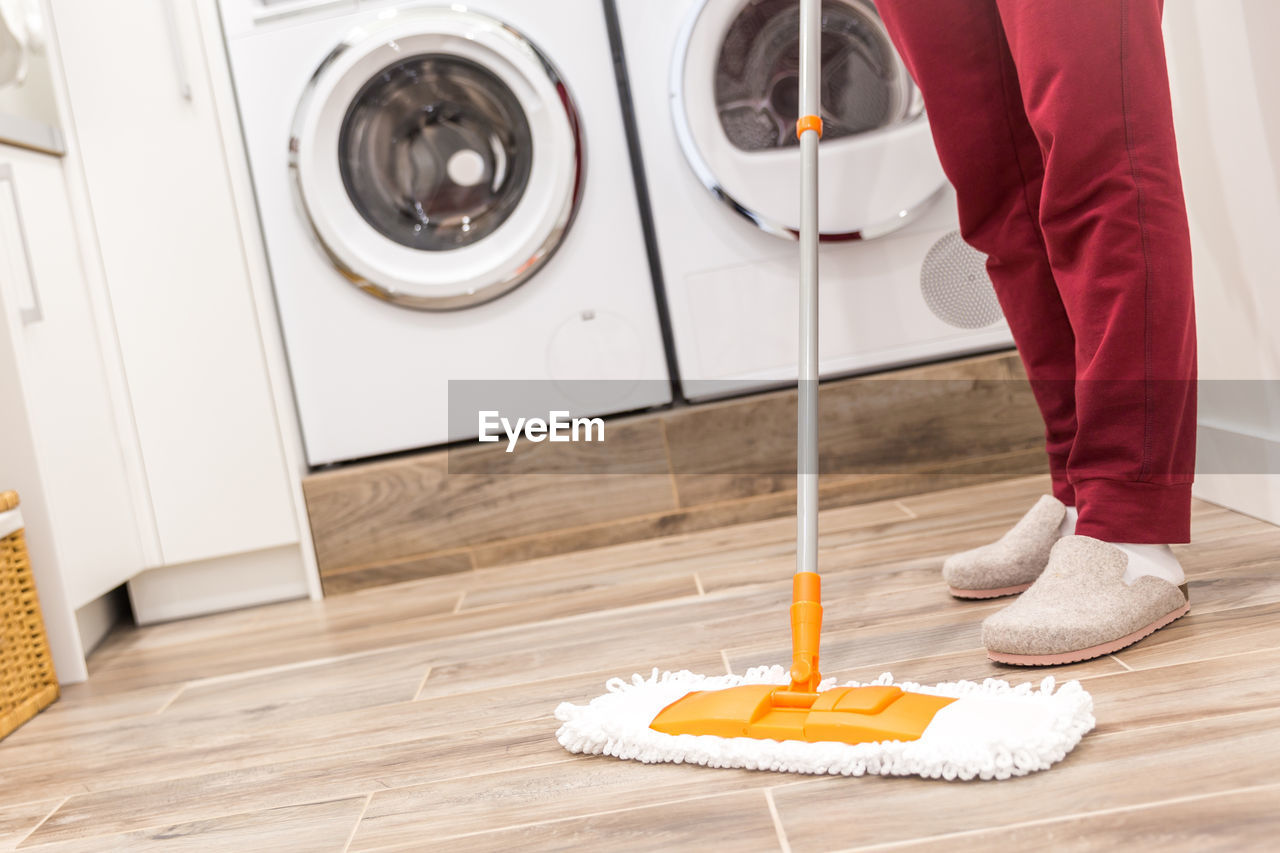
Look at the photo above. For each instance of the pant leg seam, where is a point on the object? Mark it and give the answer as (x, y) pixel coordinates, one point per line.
(1144, 471)
(1013, 140)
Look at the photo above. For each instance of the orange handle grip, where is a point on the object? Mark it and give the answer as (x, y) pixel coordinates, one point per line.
(808, 123)
(806, 631)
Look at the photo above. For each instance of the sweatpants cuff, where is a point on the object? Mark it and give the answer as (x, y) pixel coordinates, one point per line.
(1138, 513)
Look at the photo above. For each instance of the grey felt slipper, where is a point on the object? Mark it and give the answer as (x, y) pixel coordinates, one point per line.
(1081, 608)
(1010, 564)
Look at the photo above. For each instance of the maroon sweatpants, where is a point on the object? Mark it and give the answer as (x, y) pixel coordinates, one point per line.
(1052, 119)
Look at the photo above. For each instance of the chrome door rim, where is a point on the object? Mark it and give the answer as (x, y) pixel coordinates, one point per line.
(707, 177)
(534, 260)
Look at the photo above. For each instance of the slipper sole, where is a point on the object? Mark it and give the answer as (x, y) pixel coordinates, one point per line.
(998, 592)
(1091, 651)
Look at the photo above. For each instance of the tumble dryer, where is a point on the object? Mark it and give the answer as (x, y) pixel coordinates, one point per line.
(714, 89)
(445, 195)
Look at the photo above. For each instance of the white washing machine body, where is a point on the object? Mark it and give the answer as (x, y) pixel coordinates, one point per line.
(445, 195)
(713, 87)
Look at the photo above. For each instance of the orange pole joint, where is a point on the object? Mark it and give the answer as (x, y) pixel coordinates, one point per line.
(808, 123)
(806, 631)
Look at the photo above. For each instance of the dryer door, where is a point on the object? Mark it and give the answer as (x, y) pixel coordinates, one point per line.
(734, 88)
(438, 158)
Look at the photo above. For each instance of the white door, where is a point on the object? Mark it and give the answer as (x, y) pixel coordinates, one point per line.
(734, 82)
(150, 145)
(438, 158)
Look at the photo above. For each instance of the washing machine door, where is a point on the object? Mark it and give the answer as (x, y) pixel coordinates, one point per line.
(734, 95)
(437, 156)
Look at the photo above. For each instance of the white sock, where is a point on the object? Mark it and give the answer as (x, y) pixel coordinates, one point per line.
(1156, 561)
(1068, 526)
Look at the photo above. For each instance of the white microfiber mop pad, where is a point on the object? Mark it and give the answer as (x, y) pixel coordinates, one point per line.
(991, 731)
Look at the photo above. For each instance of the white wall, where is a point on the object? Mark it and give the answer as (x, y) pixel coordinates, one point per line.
(1226, 87)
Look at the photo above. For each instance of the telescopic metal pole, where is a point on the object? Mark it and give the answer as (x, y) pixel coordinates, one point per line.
(807, 415)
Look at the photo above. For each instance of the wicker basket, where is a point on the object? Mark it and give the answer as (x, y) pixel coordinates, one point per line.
(27, 680)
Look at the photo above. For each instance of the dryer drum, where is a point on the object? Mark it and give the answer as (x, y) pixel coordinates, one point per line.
(864, 85)
(733, 85)
(435, 152)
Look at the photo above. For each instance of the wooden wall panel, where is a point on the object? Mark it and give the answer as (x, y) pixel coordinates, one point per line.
(672, 471)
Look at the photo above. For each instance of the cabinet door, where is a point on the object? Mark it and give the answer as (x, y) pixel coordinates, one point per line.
(176, 272)
(74, 483)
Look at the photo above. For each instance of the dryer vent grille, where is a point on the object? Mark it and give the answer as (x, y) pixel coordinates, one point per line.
(955, 284)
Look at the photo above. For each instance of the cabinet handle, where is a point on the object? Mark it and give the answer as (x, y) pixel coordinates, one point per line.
(175, 48)
(33, 312)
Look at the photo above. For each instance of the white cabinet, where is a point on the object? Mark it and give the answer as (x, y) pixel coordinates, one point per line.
(59, 443)
(155, 171)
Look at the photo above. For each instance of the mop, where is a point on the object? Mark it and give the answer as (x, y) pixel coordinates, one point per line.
(793, 720)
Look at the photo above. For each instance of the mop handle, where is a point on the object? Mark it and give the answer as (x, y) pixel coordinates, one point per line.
(809, 129)
(806, 598)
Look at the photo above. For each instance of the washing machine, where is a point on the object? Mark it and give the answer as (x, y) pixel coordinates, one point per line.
(714, 89)
(446, 199)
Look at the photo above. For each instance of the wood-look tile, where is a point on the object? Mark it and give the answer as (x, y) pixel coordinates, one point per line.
(398, 621)
(635, 586)
(398, 508)
(17, 821)
(318, 778)
(946, 424)
(1104, 771)
(661, 527)
(303, 619)
(305, 703)
(159, 748)
(863, 633)
(1159, 696)
(736, 822)
(1206, 635)
(1231, 821)
(968, 665)
(322, 687)
(583, 786)
(899, 422)
(82, 708)
(379, 624)
(430, 565)
(307, 828)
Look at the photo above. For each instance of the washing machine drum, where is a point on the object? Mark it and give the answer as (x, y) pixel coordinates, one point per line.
(438, 158)
(735, 92)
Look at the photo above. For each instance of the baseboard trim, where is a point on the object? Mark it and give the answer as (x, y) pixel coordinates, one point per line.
(223, 583)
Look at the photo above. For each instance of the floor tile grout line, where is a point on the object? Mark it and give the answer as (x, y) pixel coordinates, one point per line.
(356, 828)
(421, 685)
(777, 821)
(1209, 659)
(174, 698)
(1122, 663)
(43, 821)
(911, 513)
(890, 845)
(213, 680)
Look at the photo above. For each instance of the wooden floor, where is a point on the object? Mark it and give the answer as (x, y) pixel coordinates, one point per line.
(419, 716)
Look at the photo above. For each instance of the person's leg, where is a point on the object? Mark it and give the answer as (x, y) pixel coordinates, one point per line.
(1094, 86)
(1095, 90)
(957, 54)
